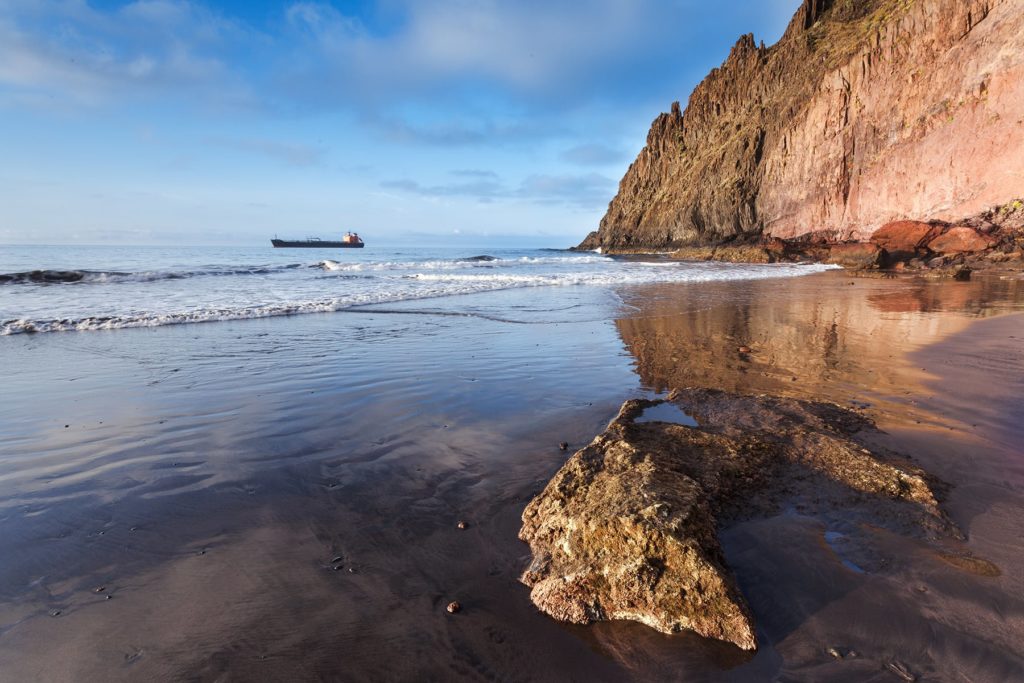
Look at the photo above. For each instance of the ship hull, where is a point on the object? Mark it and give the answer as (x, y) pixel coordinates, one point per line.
(315, 244)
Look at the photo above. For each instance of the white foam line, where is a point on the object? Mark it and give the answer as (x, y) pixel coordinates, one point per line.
(417, 287)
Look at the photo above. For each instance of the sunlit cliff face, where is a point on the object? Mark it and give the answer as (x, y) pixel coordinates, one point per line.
(830, 335)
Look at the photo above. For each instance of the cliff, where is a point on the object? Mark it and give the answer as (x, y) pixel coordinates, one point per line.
(865, 112)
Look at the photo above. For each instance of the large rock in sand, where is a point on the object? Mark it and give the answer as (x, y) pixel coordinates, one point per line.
(903, 239)
(627, 529)
(623, 532)
(855, 255)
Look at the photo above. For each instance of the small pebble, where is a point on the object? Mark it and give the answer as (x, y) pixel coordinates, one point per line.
(337, 559)
(66, 426)
(57, 612)
(462, 524)
(99, 589)
(744, 349)
(562, 445)
(453, 607)
(351, 570)
(834, 652)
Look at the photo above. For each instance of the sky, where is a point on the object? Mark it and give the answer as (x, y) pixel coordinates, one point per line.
(461, 121)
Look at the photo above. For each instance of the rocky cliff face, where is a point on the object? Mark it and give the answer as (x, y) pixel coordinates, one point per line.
(865, 112)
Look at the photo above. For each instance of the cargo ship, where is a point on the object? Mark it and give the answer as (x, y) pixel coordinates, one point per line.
(350, 241)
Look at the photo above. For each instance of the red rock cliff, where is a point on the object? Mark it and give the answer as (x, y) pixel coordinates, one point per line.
(866, 111)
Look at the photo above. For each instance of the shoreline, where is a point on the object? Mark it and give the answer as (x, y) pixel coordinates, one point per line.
(991, 242)
(221, 523)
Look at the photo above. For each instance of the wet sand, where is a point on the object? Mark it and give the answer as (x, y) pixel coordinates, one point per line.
(278, 499)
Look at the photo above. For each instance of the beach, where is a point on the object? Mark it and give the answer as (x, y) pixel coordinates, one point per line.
(279, 498)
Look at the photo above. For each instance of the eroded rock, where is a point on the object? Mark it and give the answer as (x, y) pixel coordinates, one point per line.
(961, 240)
(627, 529)
(904, 239)
(856, 255)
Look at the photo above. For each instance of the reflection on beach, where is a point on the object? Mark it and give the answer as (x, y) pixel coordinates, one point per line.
(829, 336)
(940, 368)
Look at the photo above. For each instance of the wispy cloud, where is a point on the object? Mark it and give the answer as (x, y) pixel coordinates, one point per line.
(288, 153)
(590, 190)
(457, 130)
(474, 173)
(70, 53)
(593, 154)
(480, 190)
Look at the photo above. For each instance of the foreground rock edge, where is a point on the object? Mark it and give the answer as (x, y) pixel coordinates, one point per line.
(627, 528)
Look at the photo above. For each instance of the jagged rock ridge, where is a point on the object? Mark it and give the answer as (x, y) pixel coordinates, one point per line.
(864, 112)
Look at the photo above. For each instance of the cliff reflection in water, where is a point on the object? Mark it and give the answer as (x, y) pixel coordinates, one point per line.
(832, 336)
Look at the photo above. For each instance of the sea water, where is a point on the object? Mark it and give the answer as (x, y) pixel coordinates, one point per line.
(49, 288)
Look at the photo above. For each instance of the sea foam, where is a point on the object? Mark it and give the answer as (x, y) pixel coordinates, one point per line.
(108, 299)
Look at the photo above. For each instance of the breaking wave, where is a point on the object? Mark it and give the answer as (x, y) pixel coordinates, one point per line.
(482, 261)
(404, 281)
(59, 277)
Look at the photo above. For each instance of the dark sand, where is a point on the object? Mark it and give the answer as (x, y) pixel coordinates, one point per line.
(278, 499)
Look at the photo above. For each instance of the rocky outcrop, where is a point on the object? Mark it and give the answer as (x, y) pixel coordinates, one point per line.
(993, 240)
(864, 113)
(856, 255)
(961, 240)
(623, 531)
(905, 239)
(627, 529)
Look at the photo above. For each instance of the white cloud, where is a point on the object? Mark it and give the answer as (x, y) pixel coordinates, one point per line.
(73, 54)
(530, 46)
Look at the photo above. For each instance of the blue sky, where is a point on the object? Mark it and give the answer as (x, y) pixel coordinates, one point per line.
(169, 121)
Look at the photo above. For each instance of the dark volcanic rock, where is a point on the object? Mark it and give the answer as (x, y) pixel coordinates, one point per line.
(865, 112)
(627, 529)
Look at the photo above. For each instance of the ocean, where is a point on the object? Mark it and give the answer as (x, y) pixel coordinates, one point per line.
(51, 288)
